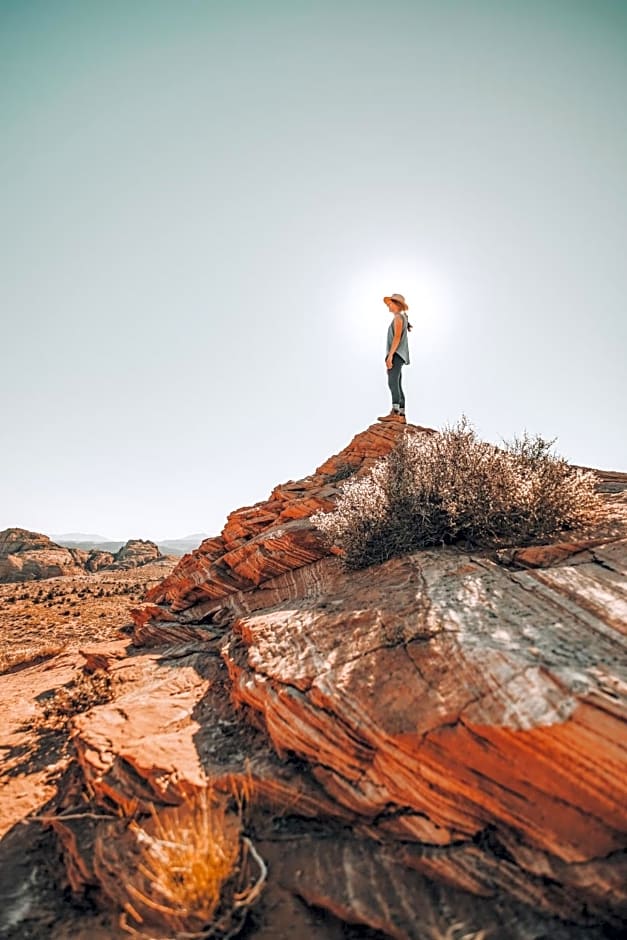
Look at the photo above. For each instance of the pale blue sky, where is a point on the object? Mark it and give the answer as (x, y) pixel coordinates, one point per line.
(203, 204)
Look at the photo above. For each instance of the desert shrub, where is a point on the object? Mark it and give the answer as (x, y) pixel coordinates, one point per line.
(453, 488)
(79, 695)
(196, 874)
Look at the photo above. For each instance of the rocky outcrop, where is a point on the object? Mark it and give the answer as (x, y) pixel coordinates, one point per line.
(258, 543)
(437, 739)
(31, 556)
(451, 698)
(97, 560)
(28, 556)
(136, 552)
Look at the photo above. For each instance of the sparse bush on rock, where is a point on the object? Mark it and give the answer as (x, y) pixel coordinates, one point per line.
(452, 487)
(79, 695)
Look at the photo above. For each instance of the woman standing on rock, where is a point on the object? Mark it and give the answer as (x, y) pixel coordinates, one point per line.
(397, 354)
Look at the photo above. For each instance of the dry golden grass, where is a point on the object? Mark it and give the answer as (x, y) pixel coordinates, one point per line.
(41, 618)
(453, 488)
(187, 856)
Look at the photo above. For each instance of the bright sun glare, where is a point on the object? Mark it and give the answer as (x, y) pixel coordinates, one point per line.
(424, 289)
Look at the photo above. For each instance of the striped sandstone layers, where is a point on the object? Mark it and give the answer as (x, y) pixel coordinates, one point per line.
(258, 543)
(436, 739)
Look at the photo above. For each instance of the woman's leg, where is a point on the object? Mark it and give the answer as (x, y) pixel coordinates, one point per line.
(394, 378)
(401, 399)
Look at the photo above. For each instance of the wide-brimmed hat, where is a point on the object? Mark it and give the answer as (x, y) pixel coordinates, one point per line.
(398, 299)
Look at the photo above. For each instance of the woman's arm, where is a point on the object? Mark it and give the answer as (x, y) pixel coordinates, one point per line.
(398, 332)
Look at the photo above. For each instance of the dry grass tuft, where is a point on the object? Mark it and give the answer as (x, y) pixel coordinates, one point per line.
(85, 692)
(453, 488)
(193, 874)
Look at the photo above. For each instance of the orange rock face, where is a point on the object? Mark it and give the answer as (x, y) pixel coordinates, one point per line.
(442, 736)
(447, 697)
(259, 542)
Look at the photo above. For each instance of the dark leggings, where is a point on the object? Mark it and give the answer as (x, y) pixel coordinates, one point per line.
(394, 381)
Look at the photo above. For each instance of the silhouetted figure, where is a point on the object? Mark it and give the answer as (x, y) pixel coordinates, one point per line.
(397, 354)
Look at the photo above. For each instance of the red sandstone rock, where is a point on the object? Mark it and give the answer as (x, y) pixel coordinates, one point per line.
(455, 722)
(544, 556)
(428, 668)
(22, 788)
(260, 542)
(173, 731)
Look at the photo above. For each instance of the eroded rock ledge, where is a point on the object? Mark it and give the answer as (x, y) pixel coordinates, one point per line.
(440, 738)
(258, 544)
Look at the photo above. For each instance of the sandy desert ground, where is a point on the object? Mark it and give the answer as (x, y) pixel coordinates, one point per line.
(42, 618)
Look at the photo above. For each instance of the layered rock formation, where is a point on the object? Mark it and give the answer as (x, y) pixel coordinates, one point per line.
(31, 556)
(434, 740)
(257, 544)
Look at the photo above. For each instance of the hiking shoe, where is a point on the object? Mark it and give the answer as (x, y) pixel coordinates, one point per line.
(393, 416)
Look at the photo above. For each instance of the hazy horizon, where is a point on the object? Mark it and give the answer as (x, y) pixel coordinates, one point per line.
(93, 537)
(204, 203)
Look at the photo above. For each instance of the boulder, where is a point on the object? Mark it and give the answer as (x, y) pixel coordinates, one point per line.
(31, 556)
(96, 560)
(136, 552)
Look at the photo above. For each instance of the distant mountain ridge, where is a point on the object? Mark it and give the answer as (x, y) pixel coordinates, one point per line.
(78, 537)
(87, 542)
(182, 546)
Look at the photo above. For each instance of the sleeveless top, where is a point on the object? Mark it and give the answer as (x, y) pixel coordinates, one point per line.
(403, 346)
